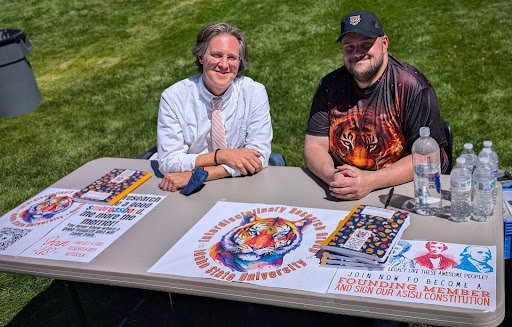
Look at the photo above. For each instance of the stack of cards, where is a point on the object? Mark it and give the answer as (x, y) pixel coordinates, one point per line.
(333, 260)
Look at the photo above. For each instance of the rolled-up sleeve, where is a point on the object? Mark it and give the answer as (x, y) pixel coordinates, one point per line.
(173, 154)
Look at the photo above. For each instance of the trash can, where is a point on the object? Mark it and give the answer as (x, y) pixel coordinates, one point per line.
(19, 93)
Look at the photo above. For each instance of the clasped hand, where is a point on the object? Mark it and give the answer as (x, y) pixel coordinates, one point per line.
(350, 183)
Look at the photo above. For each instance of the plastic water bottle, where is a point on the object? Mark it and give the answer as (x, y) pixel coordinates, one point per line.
(483, 181)
(487, 153)
(469, 154)
(460, 187)
(494, 155)
(427, 174)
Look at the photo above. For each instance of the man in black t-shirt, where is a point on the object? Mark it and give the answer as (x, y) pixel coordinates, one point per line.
(366, 115)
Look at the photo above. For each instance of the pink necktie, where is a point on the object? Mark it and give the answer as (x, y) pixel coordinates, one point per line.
(218, 131)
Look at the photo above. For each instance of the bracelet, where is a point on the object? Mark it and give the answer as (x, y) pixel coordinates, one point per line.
(215, 157)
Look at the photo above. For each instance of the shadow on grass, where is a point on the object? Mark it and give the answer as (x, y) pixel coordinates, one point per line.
(118, 306)
(203, 311)
(103, 306)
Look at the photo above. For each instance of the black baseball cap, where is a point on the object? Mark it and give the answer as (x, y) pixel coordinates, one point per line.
(361, 22)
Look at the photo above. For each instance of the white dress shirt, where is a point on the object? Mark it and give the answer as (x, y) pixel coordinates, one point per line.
(184, 122)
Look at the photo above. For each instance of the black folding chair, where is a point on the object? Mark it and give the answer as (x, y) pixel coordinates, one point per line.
(148, 153)
(449, 150)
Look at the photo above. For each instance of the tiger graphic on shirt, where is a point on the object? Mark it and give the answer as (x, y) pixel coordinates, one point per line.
(362, 139)
(258, 243)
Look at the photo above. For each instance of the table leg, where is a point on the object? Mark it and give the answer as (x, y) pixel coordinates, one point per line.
(78, 310)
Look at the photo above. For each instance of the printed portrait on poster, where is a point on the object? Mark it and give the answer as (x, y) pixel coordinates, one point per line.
(434, 259)
(397, 258)
(475, 258)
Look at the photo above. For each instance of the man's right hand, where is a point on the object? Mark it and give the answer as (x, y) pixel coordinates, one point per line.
(245, 160)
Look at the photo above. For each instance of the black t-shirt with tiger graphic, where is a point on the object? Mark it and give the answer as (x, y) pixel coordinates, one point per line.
(374, 127)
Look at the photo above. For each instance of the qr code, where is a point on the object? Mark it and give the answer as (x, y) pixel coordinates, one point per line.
(9, 236)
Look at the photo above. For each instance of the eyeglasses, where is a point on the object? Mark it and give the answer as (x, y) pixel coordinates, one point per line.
(217, 57)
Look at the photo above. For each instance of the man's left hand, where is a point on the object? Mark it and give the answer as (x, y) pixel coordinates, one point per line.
(175, 181)
(351, 183)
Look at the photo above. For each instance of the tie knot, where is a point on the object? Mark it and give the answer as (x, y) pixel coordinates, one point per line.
(217, 103)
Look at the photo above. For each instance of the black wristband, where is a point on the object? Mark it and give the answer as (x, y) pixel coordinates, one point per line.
(215, 157)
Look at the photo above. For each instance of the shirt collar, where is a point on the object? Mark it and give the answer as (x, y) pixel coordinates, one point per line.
(207, 96)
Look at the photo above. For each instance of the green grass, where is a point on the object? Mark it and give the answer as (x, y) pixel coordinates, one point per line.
(101, 66)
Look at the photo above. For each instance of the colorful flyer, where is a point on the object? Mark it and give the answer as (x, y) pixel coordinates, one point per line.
(86, 234)
(428, 272)
(262, 244)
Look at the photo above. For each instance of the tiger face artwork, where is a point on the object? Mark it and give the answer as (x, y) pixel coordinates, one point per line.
(361, 138)
(46, 208)
(258, 243)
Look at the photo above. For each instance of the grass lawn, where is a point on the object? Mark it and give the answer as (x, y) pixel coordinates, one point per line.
(101, 66)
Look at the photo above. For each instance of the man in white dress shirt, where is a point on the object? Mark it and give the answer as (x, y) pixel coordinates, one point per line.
(184, 128)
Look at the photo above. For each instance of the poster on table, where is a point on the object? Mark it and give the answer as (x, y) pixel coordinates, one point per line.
(428, 272)
(27, 223)
(91, 230)
(268, 245)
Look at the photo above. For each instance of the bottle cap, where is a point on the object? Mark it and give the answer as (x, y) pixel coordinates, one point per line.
(424, 131)
(484, 160)
(468, 146)
(487, 144)
(461, 161)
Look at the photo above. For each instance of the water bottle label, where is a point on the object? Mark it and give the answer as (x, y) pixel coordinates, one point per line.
(461, 186)
(485, 186)
(434, 182)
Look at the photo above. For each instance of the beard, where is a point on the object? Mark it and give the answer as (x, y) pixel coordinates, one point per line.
(366, 75)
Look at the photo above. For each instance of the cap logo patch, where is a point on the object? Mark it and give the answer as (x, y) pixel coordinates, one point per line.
(354, 20)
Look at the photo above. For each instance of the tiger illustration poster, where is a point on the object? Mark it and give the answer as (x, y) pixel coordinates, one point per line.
(269, 245)
(31, 220)
(258, 243)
